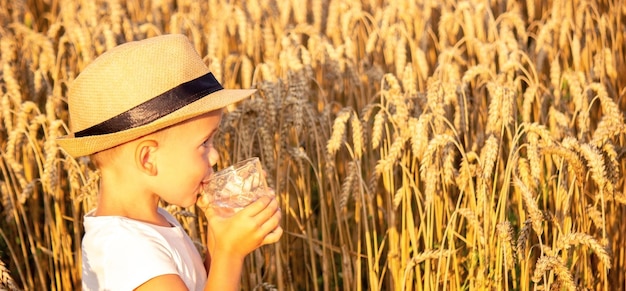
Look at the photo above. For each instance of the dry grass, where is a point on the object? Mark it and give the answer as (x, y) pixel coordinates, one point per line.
(414, 145)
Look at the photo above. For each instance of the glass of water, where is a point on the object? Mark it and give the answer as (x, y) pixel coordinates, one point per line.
(231, 189)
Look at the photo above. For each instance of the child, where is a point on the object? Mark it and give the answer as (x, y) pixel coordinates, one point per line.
(146, 112)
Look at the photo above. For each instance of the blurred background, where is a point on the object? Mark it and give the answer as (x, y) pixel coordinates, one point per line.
(414, 145)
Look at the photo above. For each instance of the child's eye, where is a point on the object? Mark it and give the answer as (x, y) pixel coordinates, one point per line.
(208, 142)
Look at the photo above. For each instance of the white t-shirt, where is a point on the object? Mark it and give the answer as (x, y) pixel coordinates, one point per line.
(120, 253)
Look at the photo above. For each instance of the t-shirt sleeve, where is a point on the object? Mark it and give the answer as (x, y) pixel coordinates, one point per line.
(132, 260)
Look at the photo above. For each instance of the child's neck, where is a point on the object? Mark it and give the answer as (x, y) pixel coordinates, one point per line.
(117, 197)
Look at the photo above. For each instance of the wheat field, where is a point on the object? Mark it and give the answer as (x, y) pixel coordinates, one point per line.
(413, 144)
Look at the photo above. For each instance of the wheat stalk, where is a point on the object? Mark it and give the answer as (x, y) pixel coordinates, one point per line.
(547, 263)
(419, 72)
(395, 151)
(532, 153)
(536, 216)
(505, 237)
(574, 163)
(523, 171)
(559, 124)
(522, 238)
(555, 80)
(580, 102)
(467, 171)
(595, 162)
(568, 240)
(474, 222)
(612, 122)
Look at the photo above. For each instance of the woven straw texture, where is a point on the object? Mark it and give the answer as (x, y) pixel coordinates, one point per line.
(129, 75)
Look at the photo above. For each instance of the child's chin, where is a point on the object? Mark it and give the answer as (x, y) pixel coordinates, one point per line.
(188, 203)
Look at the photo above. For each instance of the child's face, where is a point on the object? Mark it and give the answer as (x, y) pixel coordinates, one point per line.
(185, 157)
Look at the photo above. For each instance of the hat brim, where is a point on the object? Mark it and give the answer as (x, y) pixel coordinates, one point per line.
(83, 146)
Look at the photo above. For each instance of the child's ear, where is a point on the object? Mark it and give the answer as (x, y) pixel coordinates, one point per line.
(145, 156)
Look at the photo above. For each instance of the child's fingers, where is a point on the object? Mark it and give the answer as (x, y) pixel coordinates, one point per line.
(211, 212)
(255, 225)
(268, 221)
(271, 222)
(270, 210)
(203, 203)
(273, 236)
(208, 211)
(257, 206)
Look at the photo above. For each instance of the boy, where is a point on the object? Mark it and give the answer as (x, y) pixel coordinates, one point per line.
(146, 112)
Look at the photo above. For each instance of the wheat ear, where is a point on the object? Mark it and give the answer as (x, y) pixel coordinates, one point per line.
(571, 239)
(6, 281)
(547, 263)
(536, 216)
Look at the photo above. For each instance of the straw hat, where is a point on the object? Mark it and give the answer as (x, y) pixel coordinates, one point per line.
(138, 88)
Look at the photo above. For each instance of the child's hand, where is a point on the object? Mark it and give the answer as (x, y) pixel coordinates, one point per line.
(238, 235)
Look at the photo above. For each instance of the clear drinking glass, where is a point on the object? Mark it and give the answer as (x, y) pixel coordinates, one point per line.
(231, 189)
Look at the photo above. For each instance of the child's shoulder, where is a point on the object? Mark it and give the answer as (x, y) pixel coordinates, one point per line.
(127, 252)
